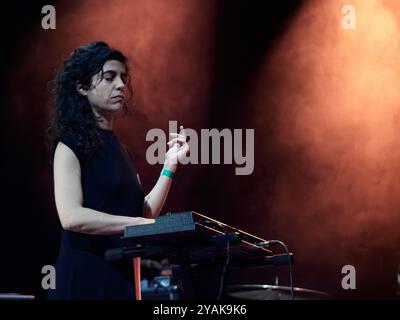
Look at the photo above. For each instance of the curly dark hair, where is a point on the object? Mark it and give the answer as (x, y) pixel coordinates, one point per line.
(73, 116)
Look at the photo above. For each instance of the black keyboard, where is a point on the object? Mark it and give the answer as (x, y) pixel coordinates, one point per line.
(164, 226)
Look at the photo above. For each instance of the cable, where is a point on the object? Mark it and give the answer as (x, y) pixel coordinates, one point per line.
(224, 270)
(272, 242)
(290, 269)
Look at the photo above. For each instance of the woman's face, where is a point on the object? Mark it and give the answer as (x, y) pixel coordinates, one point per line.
(107, 91)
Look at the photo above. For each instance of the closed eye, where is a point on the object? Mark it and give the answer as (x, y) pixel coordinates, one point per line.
(109, 75)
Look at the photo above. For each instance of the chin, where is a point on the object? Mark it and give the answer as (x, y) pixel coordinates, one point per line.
(115, 107)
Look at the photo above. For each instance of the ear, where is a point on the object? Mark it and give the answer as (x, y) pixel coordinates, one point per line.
(81, 90)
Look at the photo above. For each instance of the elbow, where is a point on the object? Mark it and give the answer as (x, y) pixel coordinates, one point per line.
(147, 211)
(69, 222)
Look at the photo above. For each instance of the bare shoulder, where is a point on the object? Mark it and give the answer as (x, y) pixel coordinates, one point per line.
(67, 183)
(65, 158)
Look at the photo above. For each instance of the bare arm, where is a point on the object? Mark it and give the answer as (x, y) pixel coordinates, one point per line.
(69, 200)
(154, 201)
(178, 149)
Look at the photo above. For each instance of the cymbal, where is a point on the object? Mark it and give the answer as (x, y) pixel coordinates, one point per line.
(270, 292)
(16, 296)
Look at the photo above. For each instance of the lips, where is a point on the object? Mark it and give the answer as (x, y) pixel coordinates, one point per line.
(117, 99)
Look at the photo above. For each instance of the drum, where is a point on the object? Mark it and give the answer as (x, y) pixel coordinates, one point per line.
(270, 292)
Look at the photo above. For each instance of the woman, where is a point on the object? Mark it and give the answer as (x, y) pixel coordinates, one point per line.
(96, 186)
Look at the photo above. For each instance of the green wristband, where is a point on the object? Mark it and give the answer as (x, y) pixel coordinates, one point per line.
(167, 173)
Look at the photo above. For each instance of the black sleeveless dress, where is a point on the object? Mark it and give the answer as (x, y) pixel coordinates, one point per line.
(109, 184)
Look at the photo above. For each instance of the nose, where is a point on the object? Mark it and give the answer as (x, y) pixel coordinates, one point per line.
(120, 84)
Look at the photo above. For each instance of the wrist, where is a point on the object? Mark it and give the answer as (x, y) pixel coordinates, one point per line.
(167, 173)
(170, 167)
